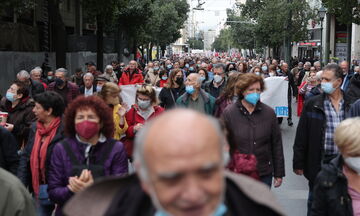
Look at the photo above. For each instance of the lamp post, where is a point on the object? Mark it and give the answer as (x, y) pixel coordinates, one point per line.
(321, 14)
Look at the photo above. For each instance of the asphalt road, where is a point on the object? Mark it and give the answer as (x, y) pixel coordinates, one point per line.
(292, 194)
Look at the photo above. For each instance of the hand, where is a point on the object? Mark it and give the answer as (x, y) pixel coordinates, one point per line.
(9, 127)
(122, 111)
(299, 172)
(125, 105)
(287, 78)
(138, 126)
(277, 182)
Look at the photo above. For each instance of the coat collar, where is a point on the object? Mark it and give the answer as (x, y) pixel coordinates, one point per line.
(202, 94)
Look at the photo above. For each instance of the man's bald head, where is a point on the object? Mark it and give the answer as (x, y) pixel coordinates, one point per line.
(179, 157)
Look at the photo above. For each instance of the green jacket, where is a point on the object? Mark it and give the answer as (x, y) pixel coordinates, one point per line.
(14, 198)
(183, 101)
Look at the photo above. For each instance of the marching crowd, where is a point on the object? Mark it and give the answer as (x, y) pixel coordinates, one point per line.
(204, 145)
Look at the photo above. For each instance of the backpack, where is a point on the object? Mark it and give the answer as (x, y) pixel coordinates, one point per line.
(97, 169)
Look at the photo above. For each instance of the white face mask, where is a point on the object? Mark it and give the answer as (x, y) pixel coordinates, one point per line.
(217, 78)
(353, 163)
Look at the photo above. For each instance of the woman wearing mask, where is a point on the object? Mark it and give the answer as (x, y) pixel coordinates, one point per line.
(265, 71)
(18, 105)
(337, 186)
(88, 151)
(229, 96)
(272, 70)
(203, 76)
(44, 134)
(144, 109)
(257, 71)
(110, 93)
(173, 91)
(260, 133)
(163, 79)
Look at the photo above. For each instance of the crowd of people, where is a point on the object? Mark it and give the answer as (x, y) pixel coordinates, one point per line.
(205, 144)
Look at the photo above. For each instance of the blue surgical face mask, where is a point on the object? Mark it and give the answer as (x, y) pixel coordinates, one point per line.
(189, 89)
(156, 68)
(191, 69)
(278, 70)
(50, 77)
(164, 78)
(327, 87)
(202, 78)
(219, 211)
(169, 67)
(10, 96)
(252, 98)
(264, 68)
(98, 88)
(187, 65)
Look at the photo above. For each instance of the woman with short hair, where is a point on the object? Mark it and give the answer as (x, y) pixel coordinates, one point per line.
(253, 130)
(44, 134)
(110, 93)
(337, 186)
(87, 153)
(145, 108)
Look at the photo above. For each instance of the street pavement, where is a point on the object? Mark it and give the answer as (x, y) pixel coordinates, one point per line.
(292, 195)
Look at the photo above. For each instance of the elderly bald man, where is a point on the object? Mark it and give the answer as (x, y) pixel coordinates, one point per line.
(180, 172)
(195, 97)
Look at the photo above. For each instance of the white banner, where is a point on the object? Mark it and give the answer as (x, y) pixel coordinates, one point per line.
(128, 93)
(276, 95)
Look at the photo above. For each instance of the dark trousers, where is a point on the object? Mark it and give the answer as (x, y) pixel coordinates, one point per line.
(266, 180)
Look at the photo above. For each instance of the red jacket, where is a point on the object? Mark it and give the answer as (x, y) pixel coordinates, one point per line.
(135, 78)
(133, 118)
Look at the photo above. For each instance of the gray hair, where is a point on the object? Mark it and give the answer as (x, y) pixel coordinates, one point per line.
(143, 134)
(88, 75)
(23, 74)
(108, 67)
(62, 70)
(317, 63)
(36, 69)
(308, 64)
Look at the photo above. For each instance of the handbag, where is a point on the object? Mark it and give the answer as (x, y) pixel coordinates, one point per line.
(244, 164)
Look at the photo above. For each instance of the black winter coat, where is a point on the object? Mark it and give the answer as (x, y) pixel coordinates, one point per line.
(21, 117)
(24, 171)
(353, 90)
(35, 88)
(9, 158)
(257, 134)
(166, 99)
(331, 196)
(309, 140)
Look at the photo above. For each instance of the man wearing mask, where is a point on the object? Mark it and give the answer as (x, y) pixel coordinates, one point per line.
(196, 98)
(152, 75)
(50, 77)
(36, 75)
(34, 87)
(216, 86)
(314, 143)
(100, 82)
(68, 90)
(347, 76)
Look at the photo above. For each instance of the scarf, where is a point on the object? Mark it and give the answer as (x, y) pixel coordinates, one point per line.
(38, 154)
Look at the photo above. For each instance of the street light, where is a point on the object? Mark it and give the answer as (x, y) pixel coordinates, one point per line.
(321, 14)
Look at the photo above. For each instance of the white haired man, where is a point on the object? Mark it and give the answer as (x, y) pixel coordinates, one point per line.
(196, 98)
(184, 178)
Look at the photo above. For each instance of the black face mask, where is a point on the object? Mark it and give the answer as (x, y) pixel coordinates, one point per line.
(179, 81)
(59, 82)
